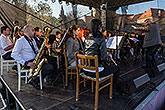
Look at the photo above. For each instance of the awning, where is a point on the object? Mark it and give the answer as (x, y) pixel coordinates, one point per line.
(111, 3)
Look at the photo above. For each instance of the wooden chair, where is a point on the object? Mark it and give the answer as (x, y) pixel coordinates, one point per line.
(23, 73)
(67, 67)
(85, 63)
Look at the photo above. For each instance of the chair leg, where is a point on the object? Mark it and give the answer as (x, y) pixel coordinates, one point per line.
(77, 87)
(26, 77)
(40, 80)
(71, 75)
(66, 77)
(8, 67)
(96, 95)
(92, 86)
(85, 83)
(19, 81)
(111, 87)
(1, 67)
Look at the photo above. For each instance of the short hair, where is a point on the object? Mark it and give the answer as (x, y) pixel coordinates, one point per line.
(58, 32)
(3, 28)
(27, 27)
(36, 29)
(16, 22)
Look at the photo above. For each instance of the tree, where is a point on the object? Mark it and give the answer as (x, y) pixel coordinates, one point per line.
(43, 11)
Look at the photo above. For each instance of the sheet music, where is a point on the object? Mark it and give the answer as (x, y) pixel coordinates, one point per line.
(111, 43)
(134, 39)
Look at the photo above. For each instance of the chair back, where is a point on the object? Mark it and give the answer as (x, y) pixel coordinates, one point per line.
(84, 62)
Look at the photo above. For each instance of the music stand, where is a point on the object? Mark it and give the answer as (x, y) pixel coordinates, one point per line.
(114, 43)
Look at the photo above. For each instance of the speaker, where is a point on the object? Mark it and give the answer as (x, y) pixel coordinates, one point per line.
(141, 80)
(161, 67)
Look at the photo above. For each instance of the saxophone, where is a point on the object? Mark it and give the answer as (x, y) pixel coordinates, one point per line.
(33, 72)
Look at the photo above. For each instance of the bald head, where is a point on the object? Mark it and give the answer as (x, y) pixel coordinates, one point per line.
(29, 30)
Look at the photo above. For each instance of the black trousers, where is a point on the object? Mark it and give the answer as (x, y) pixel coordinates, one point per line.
(150, 55)
(47, 69)
(115, 70)
(7, 56)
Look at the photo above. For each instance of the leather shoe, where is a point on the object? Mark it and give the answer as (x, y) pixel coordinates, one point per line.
(15, 67)
(35, 85)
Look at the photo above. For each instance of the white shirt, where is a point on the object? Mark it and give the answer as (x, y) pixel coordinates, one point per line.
(23, 52)
(4, 42)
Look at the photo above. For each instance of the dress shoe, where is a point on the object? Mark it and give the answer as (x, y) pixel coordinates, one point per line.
(75, 107)
(15, 67)
(35, 85)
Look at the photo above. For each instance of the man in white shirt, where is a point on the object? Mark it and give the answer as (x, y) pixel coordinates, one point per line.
(25, 51)
(5, 43)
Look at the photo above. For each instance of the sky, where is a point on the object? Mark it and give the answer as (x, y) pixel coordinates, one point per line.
(56, 7)
(132, 9)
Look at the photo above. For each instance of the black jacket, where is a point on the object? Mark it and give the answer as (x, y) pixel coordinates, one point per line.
(97, 46)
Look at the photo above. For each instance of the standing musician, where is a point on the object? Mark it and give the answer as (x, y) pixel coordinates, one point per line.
(95, 45)
(25, 51)
(152, 42)
(73, 45)
(5, 43)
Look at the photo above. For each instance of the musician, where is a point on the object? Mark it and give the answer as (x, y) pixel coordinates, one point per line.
(73, 45)
(59, 51)
(152, 41)
(5, 43)
(16, 23)
(25, 51)
(37, 36)
(18, 33)
(95, 45)
(106, 34)
(21, 32)
(57, 42)
(51, 60)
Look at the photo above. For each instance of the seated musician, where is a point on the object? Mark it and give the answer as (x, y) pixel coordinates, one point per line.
(21, 32)
(57, 42)
(95, 45)
(37, 36)
(5, 43)
(106, 34)
(73, 45)
(25, 51)
(16, 23)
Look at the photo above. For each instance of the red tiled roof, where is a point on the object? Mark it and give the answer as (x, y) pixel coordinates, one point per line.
(152, 12)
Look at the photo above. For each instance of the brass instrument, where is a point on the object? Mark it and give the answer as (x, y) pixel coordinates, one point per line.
(15, 33)
(47, 32)
(33, 72)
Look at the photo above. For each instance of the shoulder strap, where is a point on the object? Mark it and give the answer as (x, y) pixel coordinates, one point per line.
(30, 43)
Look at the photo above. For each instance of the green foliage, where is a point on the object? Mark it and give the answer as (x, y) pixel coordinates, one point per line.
(42, 11)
